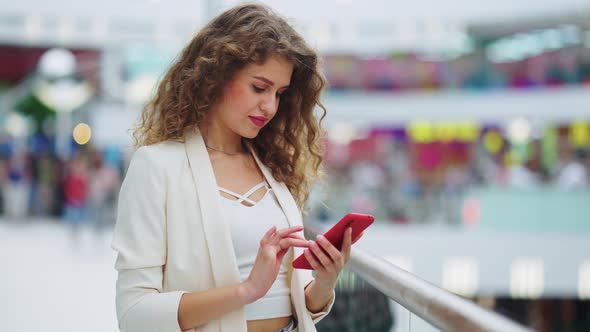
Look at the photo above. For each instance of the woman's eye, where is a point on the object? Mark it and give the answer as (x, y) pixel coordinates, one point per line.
(257, 89)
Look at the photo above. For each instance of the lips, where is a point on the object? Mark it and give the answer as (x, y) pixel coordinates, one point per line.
(258, 120)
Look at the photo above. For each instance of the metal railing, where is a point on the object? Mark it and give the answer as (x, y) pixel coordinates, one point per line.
(440, 308)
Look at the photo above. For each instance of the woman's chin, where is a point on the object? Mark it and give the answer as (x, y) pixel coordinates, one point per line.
(251, 134)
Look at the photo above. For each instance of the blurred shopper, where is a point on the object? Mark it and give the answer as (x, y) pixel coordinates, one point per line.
(367, 177)
(210, 206)
(60, 172)
(456, 180)
(103, 186)
(522, 177)
(16, 202)
(573, 174)
(400, 183)
(76, 192)
(44, 180)
(3, 184)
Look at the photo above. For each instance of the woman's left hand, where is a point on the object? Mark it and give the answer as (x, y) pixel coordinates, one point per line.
(328, 262)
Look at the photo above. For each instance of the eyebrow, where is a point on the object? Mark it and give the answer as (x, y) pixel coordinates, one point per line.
(267, 81)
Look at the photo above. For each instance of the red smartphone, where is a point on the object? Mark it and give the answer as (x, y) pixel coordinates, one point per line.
(359, 222)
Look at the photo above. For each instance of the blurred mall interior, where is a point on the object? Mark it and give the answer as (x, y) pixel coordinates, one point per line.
(462, 126)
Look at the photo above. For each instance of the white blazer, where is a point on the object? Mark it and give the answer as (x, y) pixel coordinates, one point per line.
(171, 238)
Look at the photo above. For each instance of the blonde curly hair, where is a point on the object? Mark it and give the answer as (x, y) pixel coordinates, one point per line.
(290, 144)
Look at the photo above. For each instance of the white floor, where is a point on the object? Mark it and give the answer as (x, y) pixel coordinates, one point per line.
(54, 280)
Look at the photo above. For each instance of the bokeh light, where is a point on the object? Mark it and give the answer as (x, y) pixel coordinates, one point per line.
(82, 133)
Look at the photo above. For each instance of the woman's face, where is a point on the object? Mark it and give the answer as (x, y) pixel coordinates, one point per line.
(251, 99)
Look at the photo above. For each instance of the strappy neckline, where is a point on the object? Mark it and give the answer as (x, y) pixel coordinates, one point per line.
(245, 197)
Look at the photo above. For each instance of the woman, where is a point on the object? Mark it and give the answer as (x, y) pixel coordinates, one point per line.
(233, 115)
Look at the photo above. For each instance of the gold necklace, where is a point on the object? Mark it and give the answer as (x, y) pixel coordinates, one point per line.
(224, 152)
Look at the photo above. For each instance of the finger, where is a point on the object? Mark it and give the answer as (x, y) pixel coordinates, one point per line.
(321, 256)
(288, 242)
(312, 260)
(287, 231)
(358, 237)
(295, 236)
(268, 235)
(334, 253)
(347, 244)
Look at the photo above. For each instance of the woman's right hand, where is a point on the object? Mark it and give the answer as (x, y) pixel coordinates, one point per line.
(273, 247)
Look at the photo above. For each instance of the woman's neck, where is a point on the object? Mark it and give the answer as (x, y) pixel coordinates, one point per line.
(221, 139)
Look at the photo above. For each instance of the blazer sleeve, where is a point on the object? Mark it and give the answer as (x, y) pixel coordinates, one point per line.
(140, 242)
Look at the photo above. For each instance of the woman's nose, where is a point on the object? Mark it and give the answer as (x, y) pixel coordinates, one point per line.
(269, 105)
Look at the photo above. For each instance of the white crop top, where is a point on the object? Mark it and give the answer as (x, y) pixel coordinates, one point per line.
(248, 224)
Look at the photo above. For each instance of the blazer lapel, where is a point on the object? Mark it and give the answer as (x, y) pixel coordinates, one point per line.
(217, 231)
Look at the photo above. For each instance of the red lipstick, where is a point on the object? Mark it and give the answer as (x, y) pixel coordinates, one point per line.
(258, 120)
